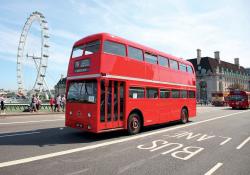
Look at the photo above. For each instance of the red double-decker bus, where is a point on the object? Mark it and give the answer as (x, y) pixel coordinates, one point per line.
(239, 99)
(113, 83)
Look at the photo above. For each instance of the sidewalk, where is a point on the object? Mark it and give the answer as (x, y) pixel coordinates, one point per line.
(28, 113)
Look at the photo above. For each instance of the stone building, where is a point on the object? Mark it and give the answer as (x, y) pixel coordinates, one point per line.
(214, 75)
(60, 87)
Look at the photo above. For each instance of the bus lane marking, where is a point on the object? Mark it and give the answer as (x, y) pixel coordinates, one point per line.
(212, 170)
(177, 150)
(243, 143)
(198, 137)
(227, 139)
(99, 145)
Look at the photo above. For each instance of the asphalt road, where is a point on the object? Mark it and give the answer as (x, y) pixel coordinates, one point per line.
(217, 141)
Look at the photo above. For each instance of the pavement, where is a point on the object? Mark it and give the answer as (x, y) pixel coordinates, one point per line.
(217, 141)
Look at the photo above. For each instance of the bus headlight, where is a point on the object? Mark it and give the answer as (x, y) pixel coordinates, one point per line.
(89, 114)
(70, 113)
(89, 126)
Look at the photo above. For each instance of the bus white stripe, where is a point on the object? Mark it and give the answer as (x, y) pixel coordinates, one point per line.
(145, 80)
(127, 78)
(84, 76)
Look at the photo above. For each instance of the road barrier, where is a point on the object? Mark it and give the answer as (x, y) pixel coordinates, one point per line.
(17, 107)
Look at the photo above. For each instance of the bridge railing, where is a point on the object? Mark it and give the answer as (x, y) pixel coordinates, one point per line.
(12, 107)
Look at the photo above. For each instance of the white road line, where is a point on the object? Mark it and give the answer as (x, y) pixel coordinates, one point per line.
(203, 111)
(211, 171)
(35, 116)
(34, 121)
(89, 147)
(227, 140)
(11, 135)
(243, 143)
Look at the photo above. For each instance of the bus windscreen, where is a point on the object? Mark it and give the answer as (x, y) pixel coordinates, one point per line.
(82, 91)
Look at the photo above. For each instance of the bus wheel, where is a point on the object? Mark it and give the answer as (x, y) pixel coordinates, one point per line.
(134, 124)
(184, 116)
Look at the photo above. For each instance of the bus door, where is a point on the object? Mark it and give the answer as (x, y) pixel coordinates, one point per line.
(112, 104)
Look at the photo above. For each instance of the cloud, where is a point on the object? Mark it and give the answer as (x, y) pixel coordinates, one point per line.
(180, 31)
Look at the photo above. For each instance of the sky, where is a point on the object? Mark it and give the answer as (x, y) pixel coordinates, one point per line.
(177, 27)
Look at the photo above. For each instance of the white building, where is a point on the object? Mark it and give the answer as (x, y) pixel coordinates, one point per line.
(214, 75)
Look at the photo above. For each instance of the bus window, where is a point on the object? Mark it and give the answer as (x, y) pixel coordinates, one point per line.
(164, 93)
(92, 47)
(175, 93)
(135, 92)
(86, 49)
(189, 69)
(183, 67)
(150, 58)
(191, 94)
(152, 93)
(102, 118)
(135, 53)
(163, 61)
(121, 100)
(173, 64)
(183, 94)
(114, 48)
(77, 51)
(82, 91)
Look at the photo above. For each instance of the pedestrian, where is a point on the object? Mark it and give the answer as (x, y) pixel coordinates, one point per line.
(38, 103)
(52, 103)
(58, 102)
(2, 111)
(33, 103)
(63, 102)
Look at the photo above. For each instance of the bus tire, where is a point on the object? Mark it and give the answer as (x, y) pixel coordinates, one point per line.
(134, 124)
(184, 116)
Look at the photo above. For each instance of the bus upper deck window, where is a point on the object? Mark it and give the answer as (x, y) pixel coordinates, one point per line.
(86, 49)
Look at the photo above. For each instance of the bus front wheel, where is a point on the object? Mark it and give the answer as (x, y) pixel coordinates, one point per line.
(184, 116)
(134, 124)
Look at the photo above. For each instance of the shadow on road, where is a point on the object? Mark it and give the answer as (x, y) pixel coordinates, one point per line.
(236, 109)
(64, 135)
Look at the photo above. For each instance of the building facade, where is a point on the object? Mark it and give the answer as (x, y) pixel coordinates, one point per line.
(215, 75)
(60, 87)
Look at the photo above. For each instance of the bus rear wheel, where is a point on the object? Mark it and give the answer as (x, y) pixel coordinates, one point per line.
(184, 116)
(134, 124)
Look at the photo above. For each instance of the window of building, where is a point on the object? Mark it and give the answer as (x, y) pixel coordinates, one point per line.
(164, 93)
(175, 93)
(152, 93)
(191, 94)
(163, 61)
(135, 53)
(189, 69)
(136, 92)
(173, 64)
(114, 48)
(150, 58)
(183, 94)
(183, 67)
